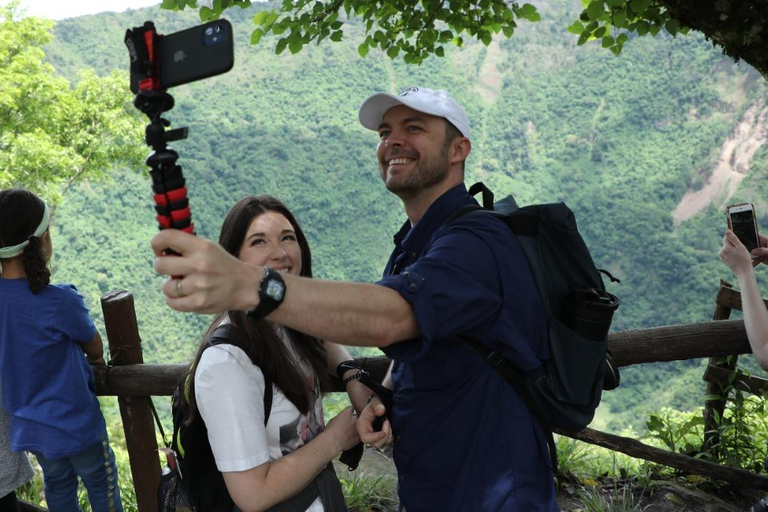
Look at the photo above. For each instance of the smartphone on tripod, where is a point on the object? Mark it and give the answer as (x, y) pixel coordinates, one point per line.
(192, 54)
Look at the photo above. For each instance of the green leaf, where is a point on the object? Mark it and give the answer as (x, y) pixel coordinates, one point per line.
(439, 51)
(528, 12)
(363, 50)
(639, 6)
(619, 18)
(281, 44)
(595, 9)
(672, 26)
(279, 28)
(576, 28)
(256, 36)
(260, 17)
(508, 30)
(295, 47)
(615, 3)
(599, 33)
(392, 52)
(337, 36)
(608, 41)
(207, 14)
(171, 5)
(583, 38)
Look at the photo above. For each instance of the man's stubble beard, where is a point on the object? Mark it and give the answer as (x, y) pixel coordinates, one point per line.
(426, 173)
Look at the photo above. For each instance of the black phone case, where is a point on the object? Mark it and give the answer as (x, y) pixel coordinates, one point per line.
(185, 56)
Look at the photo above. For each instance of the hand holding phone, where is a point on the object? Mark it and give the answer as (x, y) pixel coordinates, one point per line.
(743, 222)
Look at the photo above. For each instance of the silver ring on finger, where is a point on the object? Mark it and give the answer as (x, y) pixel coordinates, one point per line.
(179, 291)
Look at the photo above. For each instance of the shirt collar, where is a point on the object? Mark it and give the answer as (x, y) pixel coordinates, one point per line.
(413, 239)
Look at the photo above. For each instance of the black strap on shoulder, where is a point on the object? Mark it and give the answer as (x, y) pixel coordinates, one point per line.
(223, 335)
(517, 381)
(487, 194)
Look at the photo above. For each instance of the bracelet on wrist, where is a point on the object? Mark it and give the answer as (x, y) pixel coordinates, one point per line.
(351, 364)
(354, 376)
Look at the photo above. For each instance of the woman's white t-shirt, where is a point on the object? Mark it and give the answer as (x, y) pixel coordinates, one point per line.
(229, 390)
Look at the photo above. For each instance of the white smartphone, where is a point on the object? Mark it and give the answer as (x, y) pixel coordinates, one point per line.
(743, 222)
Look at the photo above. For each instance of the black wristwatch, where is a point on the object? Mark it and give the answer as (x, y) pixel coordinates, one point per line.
(271, 294)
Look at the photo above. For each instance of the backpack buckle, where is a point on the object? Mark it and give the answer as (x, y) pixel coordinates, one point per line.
(495, 360)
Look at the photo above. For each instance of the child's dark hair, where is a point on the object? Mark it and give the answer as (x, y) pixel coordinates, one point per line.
(21, 212)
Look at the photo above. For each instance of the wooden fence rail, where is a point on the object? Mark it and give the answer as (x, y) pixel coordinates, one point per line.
(659, 344)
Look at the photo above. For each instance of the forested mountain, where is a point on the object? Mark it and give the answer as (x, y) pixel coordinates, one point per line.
(647, 148)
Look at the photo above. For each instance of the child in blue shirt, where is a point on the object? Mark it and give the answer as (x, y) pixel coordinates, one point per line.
(47, 340)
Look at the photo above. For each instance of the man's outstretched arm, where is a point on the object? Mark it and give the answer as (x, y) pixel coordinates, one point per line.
(213, 280)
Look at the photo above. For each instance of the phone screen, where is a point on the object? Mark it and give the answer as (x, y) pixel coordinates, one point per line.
(743, 225)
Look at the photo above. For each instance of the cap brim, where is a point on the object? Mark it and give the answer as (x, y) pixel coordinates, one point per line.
(374, 107)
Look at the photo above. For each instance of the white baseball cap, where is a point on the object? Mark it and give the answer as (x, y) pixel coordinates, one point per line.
(437, 103)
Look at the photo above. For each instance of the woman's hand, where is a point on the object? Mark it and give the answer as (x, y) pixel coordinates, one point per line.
(761, 253)
(734, 254)
(342, 428)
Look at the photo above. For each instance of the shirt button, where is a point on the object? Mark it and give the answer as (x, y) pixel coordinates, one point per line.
(412, 286)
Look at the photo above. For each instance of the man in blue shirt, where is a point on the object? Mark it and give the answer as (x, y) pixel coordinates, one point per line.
(464, 440)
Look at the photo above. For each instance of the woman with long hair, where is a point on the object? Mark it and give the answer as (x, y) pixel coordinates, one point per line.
(285, 464)
(47, 340)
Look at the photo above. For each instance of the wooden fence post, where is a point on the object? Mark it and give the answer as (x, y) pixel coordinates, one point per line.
(135, 411)
(714, 409)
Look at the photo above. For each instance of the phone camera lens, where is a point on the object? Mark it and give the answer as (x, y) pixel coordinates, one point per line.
(217, 29)
(209, 31)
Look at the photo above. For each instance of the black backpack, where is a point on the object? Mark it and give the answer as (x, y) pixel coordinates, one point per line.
(194, 483)
(565, 391)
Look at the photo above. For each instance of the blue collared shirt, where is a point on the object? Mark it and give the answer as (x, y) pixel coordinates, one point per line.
(464, 439)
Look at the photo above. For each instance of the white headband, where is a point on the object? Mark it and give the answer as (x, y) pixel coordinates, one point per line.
(15, 250)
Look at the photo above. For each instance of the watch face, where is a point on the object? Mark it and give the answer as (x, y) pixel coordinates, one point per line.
(275, 290)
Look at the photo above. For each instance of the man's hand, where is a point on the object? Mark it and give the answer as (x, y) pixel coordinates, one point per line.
(365, 425)
(206, 278)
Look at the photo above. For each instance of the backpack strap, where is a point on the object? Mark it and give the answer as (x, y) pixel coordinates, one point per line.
(222, 335)
(487, 194)
(517, 381)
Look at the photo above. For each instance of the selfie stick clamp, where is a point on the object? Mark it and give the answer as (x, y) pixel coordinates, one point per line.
(168, 183)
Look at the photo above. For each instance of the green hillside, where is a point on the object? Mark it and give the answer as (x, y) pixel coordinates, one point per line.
(620, 139)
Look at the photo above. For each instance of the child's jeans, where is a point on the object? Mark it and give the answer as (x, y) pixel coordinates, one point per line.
(95, 466)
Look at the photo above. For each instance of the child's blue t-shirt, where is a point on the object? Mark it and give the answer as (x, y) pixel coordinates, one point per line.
(47, 385)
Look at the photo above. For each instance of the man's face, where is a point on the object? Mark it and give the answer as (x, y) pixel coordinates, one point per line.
(412, 152)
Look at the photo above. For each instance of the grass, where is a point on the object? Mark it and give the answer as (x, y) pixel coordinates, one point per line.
(366, 493)
(620, 500)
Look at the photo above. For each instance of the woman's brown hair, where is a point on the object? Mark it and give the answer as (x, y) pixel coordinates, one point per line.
(257, 338)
